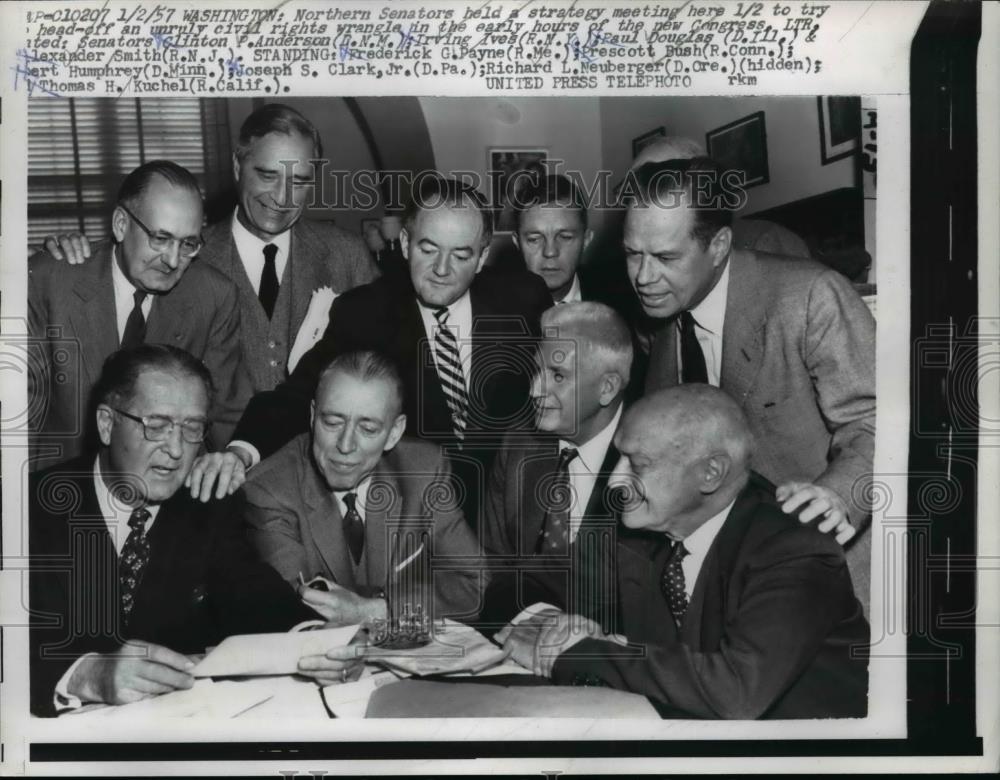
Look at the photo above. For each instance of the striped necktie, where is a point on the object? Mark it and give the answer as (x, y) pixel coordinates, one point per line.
(449, 368)
(559, 500)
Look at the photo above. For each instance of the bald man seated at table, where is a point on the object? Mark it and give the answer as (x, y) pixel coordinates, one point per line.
(730, 607)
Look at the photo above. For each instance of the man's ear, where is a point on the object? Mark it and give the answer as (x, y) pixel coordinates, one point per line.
(482, 258)
(236, 167)
(516, 240)
(721, 243)
(119, 223)
(611, 385)
(715, 469)
(396, 433)
(105, 422)
(588, 236)
(404, 242)
(312, 413)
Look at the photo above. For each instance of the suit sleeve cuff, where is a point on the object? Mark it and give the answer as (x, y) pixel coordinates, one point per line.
(248, 448)
(63, 700)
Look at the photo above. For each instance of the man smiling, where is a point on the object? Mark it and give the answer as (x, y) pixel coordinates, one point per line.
(352, 501)
(141, 288)
(462, 335)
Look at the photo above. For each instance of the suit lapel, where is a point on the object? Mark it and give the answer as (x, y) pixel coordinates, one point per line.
(383, 484)
(597, 506)
(325, 522)
(662, 371)
(169, 317)
(303, 254)
(94, 316)
(746, 315)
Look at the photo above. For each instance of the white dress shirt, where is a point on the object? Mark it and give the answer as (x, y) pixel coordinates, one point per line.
(460, 325)
(698, 544)
(574, 295)
(709, 318)
(584, 468)
(125, 296)
(251, 251)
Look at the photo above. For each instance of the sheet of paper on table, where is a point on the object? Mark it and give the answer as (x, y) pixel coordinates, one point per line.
(260, 654)
(206, 699)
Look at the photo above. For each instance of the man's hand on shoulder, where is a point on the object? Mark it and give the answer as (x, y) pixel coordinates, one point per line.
(74, 248)
(224, 471)
(135, 671)
(811, 501)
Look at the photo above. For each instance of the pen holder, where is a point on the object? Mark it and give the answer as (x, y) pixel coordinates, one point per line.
(408, 595)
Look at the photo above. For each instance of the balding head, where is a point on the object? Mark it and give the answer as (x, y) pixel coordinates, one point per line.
(670, 147)
(685, 457)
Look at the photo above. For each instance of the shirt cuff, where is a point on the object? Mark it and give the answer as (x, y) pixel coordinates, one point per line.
(307, 625)
(248, 448)
(65, 701)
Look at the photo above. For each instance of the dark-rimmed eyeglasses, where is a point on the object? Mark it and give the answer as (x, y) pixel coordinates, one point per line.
(161, 242)
(156, 427)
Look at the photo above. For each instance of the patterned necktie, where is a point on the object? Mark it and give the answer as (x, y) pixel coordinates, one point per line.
(268, 292)
(354, 528)
(133, 559)
(135, 325)
(693, 367)
(555, 525)
(449, 367)
(672, 582)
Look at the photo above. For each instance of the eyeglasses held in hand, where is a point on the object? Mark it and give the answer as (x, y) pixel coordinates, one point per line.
(156, 427)
(161, 242)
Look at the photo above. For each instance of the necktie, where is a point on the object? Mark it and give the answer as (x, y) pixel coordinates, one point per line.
(354, 528)
(268, 292)
(672, 582)
(692, 358)
(133, 559)
(555, 525)
(449, 366)
(135, 325)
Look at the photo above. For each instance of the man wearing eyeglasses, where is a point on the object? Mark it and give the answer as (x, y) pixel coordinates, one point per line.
(144, 287)
(129, 574)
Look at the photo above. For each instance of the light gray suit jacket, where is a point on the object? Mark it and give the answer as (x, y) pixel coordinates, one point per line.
(798, 354)
(321, 255)
(295, 522)
(72, 322)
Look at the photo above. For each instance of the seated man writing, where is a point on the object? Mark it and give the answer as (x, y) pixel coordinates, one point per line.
(731, 608)
(371, 513)
(128, 572)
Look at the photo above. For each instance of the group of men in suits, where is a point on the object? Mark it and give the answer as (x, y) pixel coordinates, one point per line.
(451, 420)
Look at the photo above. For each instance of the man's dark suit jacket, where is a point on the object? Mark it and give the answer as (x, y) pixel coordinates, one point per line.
(71, 318)
(768, 633)
(582, 582)
(203, 581)
(320, 255)
(384, 316)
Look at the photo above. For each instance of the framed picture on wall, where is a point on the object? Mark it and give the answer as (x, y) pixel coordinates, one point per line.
(839, 127)
(505, 167)
(641, 142)
(742, 146)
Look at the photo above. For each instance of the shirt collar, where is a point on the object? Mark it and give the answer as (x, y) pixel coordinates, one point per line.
(591, 454)
(698, 542)
(710, 314)
(361, 492)
(245, 239)
(575, 295)
(459, 311)
(111, 509)
(122, 286)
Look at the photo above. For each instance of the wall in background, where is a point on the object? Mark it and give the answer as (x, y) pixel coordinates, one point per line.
(793, 140)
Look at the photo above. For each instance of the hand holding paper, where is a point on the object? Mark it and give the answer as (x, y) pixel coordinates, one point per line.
(259, 654)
